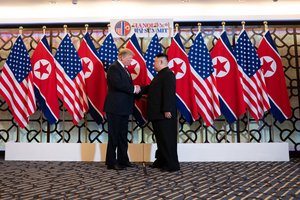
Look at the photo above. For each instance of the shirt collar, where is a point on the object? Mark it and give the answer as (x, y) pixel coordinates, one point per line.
(121, 63)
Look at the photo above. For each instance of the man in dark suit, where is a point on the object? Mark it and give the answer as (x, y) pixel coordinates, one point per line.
(162, 113)
(118, 106)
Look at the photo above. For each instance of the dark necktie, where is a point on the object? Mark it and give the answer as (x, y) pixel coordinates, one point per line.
(128, 73)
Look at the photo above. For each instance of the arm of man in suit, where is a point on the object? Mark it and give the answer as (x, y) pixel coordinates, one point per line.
(118, 81)
(168, 96)
(142, 93)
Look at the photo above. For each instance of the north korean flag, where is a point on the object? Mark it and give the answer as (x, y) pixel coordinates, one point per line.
(96, 86)
(139, 74)
(229, 83)
(275, 79)
(179, 64)
(44, 79)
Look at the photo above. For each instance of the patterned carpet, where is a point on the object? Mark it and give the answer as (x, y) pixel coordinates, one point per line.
(201, 180)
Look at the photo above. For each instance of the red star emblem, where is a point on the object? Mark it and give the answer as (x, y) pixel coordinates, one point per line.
(85, 66)
(131, 69)
(266, 66)
(177, 67)
(219, 66)
(42, 69)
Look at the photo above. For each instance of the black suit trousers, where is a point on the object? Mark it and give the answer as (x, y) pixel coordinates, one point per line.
(165, 132)
(117, 139)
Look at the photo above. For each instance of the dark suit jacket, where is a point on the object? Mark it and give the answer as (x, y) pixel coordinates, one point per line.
(120, 97)
(162, 95)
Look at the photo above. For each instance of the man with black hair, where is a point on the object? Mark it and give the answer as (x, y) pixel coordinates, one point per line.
(162, 113)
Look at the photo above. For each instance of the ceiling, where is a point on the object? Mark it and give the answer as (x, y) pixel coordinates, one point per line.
(51, 11)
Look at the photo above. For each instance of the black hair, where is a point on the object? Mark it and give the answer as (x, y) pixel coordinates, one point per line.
(162, 55)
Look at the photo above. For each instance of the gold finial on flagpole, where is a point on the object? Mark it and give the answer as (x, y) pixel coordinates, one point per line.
(65, 29)
(170, 30)
(86, 28)
(132, 29)
(223, 25)
(44, 29)
(176, 28)
(148, 28)
(266, 26)
(199, 27)
(155, 29)
(243, 24)
(108, 28)
(21, 30)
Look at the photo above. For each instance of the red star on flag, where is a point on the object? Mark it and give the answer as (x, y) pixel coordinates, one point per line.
(177, 67)
(267, 66)
(131, 68)
(85, 66)
(42, 69)
(220, 66)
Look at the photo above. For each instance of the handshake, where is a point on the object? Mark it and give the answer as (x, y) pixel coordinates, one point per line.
(137, 89)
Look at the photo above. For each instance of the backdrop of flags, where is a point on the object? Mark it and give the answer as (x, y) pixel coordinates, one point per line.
(274, 77)
(44, 79)
(139, 74)
(179, 64)
(229, 83)
(204, 81)
(226, 80)
(255, 94)
(94, 74)
(16, 83)
(70, 80)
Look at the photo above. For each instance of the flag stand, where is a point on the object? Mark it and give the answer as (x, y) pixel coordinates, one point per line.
(248, 127)
(63, 126)
(272, 130)
(41, 127)
(225, 135)
(85, 130)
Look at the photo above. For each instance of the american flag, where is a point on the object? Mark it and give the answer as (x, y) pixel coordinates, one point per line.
(255, 91)
(154, 48)
(16, 83)
(71, 84)
(275, 79)
(44, 79)
(204, 81)
(108, 52)
(96, 86)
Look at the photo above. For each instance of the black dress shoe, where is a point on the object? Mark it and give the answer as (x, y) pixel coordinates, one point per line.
(116, 167)
(165, 169)
(154, 166)
(129, 165)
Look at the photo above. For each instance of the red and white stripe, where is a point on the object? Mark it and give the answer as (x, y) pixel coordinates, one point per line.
(72, 93)
(207, 97)
(255, 94)
(19, 97)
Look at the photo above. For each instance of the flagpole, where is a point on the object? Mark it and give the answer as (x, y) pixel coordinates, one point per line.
(18, 128)
(266, 29)
(248, 115)
(65, 31)
(199, 27)
(85, 115)
(41, 113)
(266, 26)
(148, 30)
(243, 25)
(223, 25)
(248, 126)
(201, 119)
